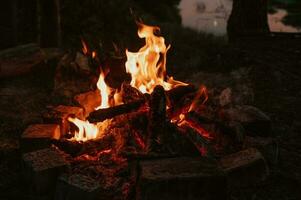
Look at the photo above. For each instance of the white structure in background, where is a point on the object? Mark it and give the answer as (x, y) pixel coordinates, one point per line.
(206, 15)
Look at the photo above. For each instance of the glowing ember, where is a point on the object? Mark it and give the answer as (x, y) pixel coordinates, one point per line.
(148, 66)
(200, 99)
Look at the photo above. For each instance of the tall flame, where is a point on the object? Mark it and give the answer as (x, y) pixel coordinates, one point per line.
(148, 66)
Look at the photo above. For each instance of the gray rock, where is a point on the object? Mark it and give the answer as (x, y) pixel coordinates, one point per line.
(181, 178)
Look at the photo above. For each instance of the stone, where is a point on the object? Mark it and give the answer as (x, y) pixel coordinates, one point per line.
(267, 146)
(39, 136)
(9, 149)
(181, 178)
(245, 168)
(60, 114)
(77, 186)
(88, 101)
(41, 169)
(253, 120)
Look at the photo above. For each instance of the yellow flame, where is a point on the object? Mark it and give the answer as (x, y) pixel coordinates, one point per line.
(87, 131)
(109, 96)
(148, 66)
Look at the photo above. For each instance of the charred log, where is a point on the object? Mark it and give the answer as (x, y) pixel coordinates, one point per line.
(108, 113)
(157, 119)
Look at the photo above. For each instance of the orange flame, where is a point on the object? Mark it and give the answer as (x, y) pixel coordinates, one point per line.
(148, 66)
(200, 99)
(109, 96)
(87, 131)
(85, 47)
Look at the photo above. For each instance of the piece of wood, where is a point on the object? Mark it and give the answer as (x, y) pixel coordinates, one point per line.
(157, 119)
(39, 136)
(108, 113)
(60, 115)
(75, 148)
(177, 93)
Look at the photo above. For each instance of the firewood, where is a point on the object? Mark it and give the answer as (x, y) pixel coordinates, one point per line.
(200, 142)
(130, 94)
(157, 119)
(75, 148)
(176, 94)
(39, 136)
(108, 113)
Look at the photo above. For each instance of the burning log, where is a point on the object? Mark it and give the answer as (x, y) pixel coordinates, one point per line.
(130, 94)
(245, 168)
(200, 142)
(157, 119)
(39, 136)
(177, 93)
(181, 178)
(75, 148)
(60, 115)
(41, 169)
(108, 113)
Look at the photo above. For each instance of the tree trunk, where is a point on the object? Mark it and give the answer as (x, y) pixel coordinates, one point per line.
(248, 18)
(49, 23)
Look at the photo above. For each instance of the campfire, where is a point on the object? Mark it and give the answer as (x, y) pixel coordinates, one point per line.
(153, 120)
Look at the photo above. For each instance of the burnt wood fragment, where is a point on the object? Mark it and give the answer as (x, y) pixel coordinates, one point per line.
(181, 178)
(245, 168)
(77, 186)
(39, 136)
(41, 169)
(108, 113)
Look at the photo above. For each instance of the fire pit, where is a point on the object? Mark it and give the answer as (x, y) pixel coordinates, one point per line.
(151, 138)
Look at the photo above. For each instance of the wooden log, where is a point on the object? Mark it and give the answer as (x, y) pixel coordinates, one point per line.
(200, 142)
(39, 136)
(176, 94)
(60, 115)
(157, 119)
(108, 113)
(75, 148)
(41, 169)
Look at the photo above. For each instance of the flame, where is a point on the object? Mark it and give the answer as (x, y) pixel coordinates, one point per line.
(87, 131)
(200, 99)
(148, 66)
(85, 47)
(109, 96)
